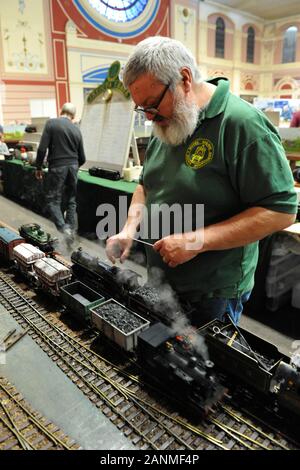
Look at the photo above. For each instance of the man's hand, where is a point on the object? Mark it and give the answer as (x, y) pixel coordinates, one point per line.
(39, 174)
(118, 246)
(179, 248)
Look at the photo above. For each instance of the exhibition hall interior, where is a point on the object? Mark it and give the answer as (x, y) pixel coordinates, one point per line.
(149, 225)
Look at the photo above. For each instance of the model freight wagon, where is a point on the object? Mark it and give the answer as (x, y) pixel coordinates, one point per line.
(8, 240)
(79, 299)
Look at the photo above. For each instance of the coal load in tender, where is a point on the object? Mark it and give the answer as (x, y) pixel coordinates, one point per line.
(149, 295)
(149, 301)
(118, 323)
(119, 317)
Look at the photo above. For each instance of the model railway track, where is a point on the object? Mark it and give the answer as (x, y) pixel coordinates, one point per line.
(121, 397)
(23, 428)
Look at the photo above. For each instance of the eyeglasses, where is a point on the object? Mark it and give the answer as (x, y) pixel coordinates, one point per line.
(153, 109)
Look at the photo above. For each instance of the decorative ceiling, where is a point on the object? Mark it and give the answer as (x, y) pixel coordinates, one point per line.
(119, 10)
(109, 16)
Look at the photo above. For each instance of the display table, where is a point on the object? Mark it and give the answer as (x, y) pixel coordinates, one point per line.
(20, 184)
(93, 191)
(293, 158)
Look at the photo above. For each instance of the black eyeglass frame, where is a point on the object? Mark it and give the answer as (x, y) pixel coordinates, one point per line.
(150, 109)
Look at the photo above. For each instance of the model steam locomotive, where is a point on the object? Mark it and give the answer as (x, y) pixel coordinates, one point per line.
(173, 361)
(123, 285)
(34, 234)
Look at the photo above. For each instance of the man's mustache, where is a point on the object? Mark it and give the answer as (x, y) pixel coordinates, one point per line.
(158, 117)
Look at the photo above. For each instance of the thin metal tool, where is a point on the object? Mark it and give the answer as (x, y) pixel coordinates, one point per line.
(142, 241)
(256, 356)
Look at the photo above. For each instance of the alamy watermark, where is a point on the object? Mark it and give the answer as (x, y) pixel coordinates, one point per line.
(156, 221)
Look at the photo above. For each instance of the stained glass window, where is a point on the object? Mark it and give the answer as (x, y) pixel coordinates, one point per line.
(119, 11)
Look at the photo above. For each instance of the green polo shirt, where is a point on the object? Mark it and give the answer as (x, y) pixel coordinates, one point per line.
(233, 161)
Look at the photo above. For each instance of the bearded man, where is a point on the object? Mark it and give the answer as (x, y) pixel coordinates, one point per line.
(212, 148)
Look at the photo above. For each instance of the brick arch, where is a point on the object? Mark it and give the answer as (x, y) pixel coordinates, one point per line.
(228, 22)
(279, 43)
(248, 82)
(249, 86)
(218, 73)
(286, 83)
(281, 29)
(286, 86)
(257, 44)
(254, 26)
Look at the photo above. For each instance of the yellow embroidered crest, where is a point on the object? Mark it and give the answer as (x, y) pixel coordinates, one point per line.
(199, 153)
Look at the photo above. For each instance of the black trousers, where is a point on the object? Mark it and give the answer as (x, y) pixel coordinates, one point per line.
(61, 188)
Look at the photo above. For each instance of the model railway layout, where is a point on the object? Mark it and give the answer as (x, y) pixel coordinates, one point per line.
(123, 384)
(146, 418)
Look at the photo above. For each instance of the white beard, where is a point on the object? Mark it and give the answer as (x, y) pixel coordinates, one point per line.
(183, 122)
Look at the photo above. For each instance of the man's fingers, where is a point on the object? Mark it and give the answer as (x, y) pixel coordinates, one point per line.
(157, 245)
(124, 255)
(113, 248)
(117, 249)
(172, 264)
(111, 251)
(111, 258)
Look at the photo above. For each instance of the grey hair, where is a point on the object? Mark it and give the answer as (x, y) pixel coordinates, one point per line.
(69, 109)
(163, 58)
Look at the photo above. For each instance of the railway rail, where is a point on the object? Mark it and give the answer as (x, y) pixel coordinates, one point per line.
(22, 428)
(141, 412)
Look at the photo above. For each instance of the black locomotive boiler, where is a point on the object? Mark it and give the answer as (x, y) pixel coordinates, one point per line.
(123, 285)
(174, 363)
(110, 281)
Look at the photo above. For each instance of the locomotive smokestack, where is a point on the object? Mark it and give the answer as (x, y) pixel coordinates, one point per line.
(180, 325)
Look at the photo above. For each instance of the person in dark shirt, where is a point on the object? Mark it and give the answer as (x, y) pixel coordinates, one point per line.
(63, 141)
(213, 154)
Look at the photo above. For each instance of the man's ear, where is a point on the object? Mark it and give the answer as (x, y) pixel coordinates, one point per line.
(186, 79)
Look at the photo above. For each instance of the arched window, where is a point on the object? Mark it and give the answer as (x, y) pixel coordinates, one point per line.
(286, 87)
(220, 38)
(249, 86)
(250, 45)
(289, 45)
